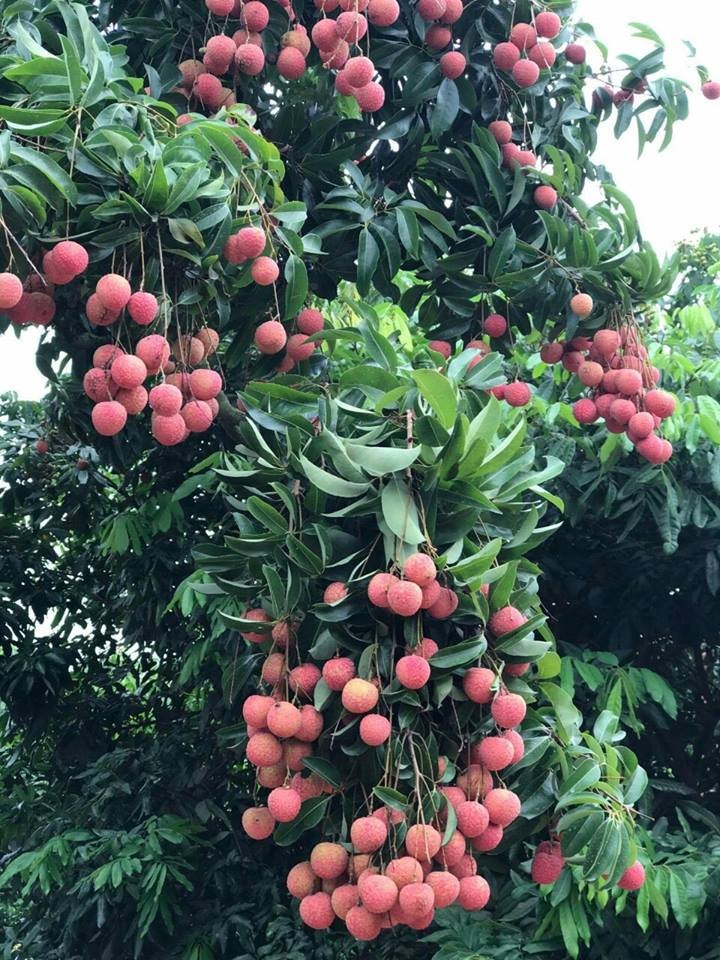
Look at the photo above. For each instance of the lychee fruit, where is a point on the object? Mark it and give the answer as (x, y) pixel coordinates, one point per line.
(660, 404)
(502, 805)
(378, 588)
(255, 709)
(505, 620)
(508, 710)
(362, 924)
(621, 411)
(258, 823)
(273, 669)
(633, 878)
(711, 90)
(168, 431)
(263, 750)
(422, 842)
(359, 71)
(154, 351)
(551, 352)
(575, 53)
(256, 16)
(628, 382)
(374, 729)
(585, 411)
(219, 54)
(494, 325)
(489, 839)
(543, 54)
(301, 880)
(303, 679)
(419, 568)
(283, 719)
(523, 36)
(134, 400)
(328, 860)
(316, 911)
(264, 271)
(70, 257)
(405, 870)
(501, 130)
(359, 696)
(294, 754)
(445, 605)
(113, 291)
(445, 887)
(505, 56)
(284, 804)
(351, 26)
(474, 893)
(547, 863)
(249, 60)
(582, 305)
(517, 742)
(404, 598)
(495, 753)
(383, 13)
(337, 671)
(368, 834)
(221, 8)
(377, 892)
(142, 307)
(310, 321)
(412, 671)
(517, 394)
(108, 417)
(205, 384)
(442, 347)
(98, 384)
(416, 899)
(451, 852)
(472, 818)
(270, 337)
(299, 347)
(431, 594)
(197, 416)
(370, 97)
(641, 425)
(335, 591)
(452, 64)
(54, 272)
(343, 899)
(291, 64)
(525, 73)
(311, 724)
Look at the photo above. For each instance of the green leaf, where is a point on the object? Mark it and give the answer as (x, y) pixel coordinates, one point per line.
(585, 775)
(445, 108)
(400, 513)
(54, 173)
(329, 483)
(368, 257)
(379, 461)
(311, 813)
(501, 252)
(297, 286)
(603, 850)
(267, 515)
(392, 798)
(460, 655)
(568, 715)
(324, 769)
(439, 393)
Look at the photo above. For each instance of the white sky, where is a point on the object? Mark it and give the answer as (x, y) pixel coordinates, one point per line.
(674, 192)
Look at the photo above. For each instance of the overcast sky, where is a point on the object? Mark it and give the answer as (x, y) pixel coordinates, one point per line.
(674, 192)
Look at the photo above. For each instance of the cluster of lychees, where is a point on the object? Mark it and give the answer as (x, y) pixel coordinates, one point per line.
(548, 863)
(271, 338)
(528, 49)
(388, 870)
(32, 301)
(614, 366)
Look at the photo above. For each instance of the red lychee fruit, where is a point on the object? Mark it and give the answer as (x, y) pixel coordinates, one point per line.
(221, 8)
(205, 384)
(453, 11)
(108, 417)
(368, 834)
(582, 305)
(431, 9)
(188, 350)
(633, 878)
(585, 411)
(209, 338)
(474, 893)
(451, 852)
(437, 37)
(311, 724)
(378, 893)
(445, 605)
(422, 842)
(378, 589)
(249, 59)
(255, 709)
(416, 899)
(328, 860)
(209, 91)
(548, 24)
(219, 54)
(503, 806)
(294, 754)
(284, 804)
(505, 56)
(489, 839)
(374, 729)
(431, 594)
(134, 400)
(98, 384)
(343, 899)
(419, 568)
(97, 314)
(472, 818)
(359, 71)
(291, 63)
(476, 781)
(405, 870)
(359, 696)
(316, 911)
(517, 394)
(370, 97)
(113, 291)
(264, 271)
(452, 64)
(547, 863)
(169, 431)
(263, 750)
(525, 73)
(501, 130)
(606, 342)
(543, 54)
(351, 26)
(523, 36)
(299, 347)
(442, 347)
(477, 684)
(426, 648)
(445, 887)
(303, 679)
(628, 382)
(258, 823)
(551, 352)
(505, 620)
(654, 449)
(337, 672)
(324, 34)
(383, 13)
(660, 404)
(621, 411)
(590, 374)
(517, 742)
(388, 816)
(301, 880)
(495, 753)
(255, 15)
(54, 273)
(310, 321)
(259, 616)
(273, 669)
(143, 307)
(154, 351)
(70, 257)
(508, 710)
(270, 337)
(190, 70)
(197, 416)
(711, 90)
(404, 598)
(641, 425)
(412, 672)
(575, 53)
(335, 591)
(494, 325)
(362, 924)
(283, 720)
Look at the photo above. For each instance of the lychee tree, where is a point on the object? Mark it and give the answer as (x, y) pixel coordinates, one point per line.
(360, 161)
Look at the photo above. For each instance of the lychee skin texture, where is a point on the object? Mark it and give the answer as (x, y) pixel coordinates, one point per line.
(641, 425)
(432, 593)
(255, 15)
(343, 899)
(383, 13)
(205, 384)
(622, 411)
(351, 26)
(142, 307)
(249, 59)
(291, 63)
(495, 753)
(378, 893)
(422, 842)
(505, 56)
(547, 863)
(404, 598)
(134, 400)
(270, 337)
(374, 729)
(284, 804)
(477, 684)
(316, 911)
(551, 352)
(378, 589)
(575, 53)
(517, 394)
(334, 591)
(368, 834)
(273, 670)
(503, 806)
(505, 620)
(328, 860)
(197, 416)
(263, 750)
(431, 9)
(445, 605)
(108, 417)
(525, 73)
(508, 710)
(442, 347)
(472, 818)
(301, 881)
(711, 90)
(452, 64)
(255, 709)
(545, 197)
(359, 696)
(221, 8)
(359, 71)
(169, 431)
(489, 839)
(416, 899)
(113, 291)
(258, 823)
(606, 342)
(660, 404)
(98, 384)
(362, 924)
(311, 724)
(337, 672)
(633, 878)
(582, 305)
(70, 257)
(426, 649)
(219, 54)
(412, 672)
(419, 568)
(310, 321)
(264, 271)
(548, 24)
(494, 325)
(474, 893)
(628, 382)
(283, 719)
(370, 97)
(451, 852)
(445, 887)
(299, 347)
(294, 754)
(324, 34)
(585, 411)
(304, 678)
(590, 373)
(654, 449)
(523, 36)
(501, 130)
(543, 54)
(518, 744)
(404, 870)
